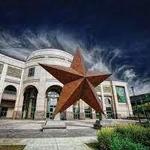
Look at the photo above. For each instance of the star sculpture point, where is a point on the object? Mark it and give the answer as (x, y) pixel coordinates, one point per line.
(78, 84)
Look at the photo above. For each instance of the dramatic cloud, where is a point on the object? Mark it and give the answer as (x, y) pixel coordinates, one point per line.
(97, 58)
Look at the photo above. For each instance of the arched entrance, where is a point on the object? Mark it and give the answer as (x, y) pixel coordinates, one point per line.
(8, 102)
(29, 102)
(52, 95)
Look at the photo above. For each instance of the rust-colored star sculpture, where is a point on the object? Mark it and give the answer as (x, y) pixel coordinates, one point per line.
(78, 84)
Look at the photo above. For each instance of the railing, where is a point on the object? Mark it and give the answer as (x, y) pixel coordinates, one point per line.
(10, 92)
(6, 96)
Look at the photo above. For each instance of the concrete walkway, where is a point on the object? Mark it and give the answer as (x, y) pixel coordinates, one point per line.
(74, 143)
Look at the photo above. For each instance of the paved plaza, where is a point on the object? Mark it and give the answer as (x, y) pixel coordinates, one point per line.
(33, 129)
(66, 143)
(29, 133)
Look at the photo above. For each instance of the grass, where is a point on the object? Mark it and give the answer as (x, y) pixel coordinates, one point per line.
(12, 147)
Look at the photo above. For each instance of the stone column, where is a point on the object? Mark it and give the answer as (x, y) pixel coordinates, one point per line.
(69, 113)
(40, 112)
(93, 114)
(116, 100)
(3, 76)
(103, 101)
(128, 102)
(82, 113)
(19, 104)
(19, 101)
(2, 80)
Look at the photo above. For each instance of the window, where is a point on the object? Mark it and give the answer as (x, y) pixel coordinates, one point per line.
(121, 95)
(108, 100)
(88, 113)
(31, 72)
(52, 101)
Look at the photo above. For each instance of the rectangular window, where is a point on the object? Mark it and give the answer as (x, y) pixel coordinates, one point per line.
(88, 113)
(121, 95)
(31, 72)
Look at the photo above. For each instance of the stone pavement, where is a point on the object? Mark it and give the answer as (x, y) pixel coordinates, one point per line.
(32, 129)
(28, 132)
(76, 143)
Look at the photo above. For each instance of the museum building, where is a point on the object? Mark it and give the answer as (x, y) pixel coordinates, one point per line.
(27, 91)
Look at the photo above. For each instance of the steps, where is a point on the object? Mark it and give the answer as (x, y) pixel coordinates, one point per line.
(54, 124)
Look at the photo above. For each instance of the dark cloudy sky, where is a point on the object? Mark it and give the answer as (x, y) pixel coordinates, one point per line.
(114, 34)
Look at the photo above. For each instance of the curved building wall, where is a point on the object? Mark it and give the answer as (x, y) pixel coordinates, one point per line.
(41, 79)
(33, 75)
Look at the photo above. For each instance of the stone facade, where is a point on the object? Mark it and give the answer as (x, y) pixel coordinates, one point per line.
(33, 99)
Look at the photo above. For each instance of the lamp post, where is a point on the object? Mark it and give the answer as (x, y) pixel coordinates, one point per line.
(136, 104)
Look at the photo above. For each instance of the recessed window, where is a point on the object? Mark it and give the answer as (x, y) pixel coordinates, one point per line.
(121, 95)
(31, 72)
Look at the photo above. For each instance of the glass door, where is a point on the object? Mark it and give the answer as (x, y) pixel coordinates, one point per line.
(51, 103)
(76, 111)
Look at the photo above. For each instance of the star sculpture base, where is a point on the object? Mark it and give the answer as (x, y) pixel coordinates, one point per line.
(97, 124)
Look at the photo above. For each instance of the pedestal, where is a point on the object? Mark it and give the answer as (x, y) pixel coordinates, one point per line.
(97, 124)
(54, 124)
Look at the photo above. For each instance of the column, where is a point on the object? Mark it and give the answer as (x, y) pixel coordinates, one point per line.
(2, 80)
(19, 101)
(115, 102)
(3, 76)
(69, 113)
(40, 112)
(103, 102)
(93, 114)
(128, 102)
(82, 113)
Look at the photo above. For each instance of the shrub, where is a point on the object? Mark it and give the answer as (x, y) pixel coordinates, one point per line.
(104, 138)
(127, 137)
(137, 133)
(119, 143)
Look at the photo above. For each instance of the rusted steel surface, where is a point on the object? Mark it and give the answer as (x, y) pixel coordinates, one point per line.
(78, 84)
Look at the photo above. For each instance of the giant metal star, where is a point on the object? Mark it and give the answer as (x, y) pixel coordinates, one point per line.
(78, 84)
